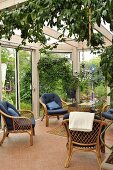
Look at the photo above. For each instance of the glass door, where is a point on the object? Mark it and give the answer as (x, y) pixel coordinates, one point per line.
(16, 77)
(25, 79)
(8, 74)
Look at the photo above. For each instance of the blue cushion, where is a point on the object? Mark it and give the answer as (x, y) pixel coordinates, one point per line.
(108, 115)
(49, 97)
(66, 116)
(57, 111)
(110, 110)
(53, 105)
(12, 112)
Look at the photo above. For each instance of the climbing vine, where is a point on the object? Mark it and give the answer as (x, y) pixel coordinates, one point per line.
(56, 76)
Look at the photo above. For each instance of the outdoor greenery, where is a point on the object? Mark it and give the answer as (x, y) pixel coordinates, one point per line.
(8, 58)
(91, 78)
(107, 68)
(55, 75)
(25, 76)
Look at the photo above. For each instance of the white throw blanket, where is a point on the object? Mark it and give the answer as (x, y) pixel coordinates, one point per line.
(81, 121)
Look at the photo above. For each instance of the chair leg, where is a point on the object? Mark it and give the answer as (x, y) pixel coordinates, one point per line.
(7, 134)
(58, 117)
(69, 155)
(42, 117)
(103, 138)
(47, 120)
(98, 153)
(33, 131)
(31, 138)
(4, 135)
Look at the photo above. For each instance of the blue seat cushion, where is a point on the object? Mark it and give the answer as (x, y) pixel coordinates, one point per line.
(108, 115)
(53, 105)
(58, 111)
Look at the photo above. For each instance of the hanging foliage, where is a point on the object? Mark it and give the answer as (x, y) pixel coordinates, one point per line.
(107, 68)
(107, 65)
(70, 16)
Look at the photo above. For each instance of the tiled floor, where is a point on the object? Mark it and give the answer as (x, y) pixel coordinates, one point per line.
(47, 153)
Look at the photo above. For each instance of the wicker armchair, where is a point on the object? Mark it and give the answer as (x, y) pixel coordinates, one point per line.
(13, 122)
(58, 106)
(84, 141)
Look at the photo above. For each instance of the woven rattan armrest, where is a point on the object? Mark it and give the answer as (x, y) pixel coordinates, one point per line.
(44, 107)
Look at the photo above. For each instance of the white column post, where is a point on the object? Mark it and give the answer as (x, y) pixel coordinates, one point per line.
(76, 68)
(0, 76)
(108, 97)
(35, 82)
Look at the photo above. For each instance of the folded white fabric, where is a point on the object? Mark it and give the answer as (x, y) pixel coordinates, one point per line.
(81, 121)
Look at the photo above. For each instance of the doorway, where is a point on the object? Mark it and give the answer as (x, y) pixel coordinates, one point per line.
(16, 69)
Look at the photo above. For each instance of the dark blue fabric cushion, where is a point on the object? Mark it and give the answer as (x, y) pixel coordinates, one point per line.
(66, 116)
(58, 111)
(3, 109)
(12, 112)
(49, 97)
(9, 105)
(9, 109)
(110, 110)
(8, 120)
(53, 105)
(108, 115)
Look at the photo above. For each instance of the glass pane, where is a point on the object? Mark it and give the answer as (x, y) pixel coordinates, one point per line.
(25, 78)
(8, 74)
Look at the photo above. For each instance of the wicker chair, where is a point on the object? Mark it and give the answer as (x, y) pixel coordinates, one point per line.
(13, 122)
(84, 141)
(58, 106)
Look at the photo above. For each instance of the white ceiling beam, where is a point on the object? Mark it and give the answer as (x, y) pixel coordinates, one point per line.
(55, 34)
(9, 3)
(16, 40)
(107, 34)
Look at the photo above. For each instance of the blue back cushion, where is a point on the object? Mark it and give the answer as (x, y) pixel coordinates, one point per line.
(8, 120)
(3, 109)
(9, 109)
(9, 105)
(110, 110)
(53, 105)
(50, 97)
